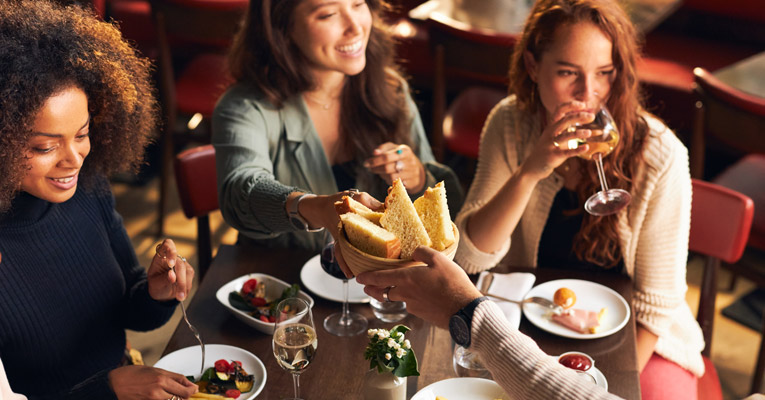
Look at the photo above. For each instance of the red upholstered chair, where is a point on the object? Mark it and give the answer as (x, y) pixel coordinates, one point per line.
(720, 223)
(465, 57)
(734, 120)
(198, 192)
(200, 31)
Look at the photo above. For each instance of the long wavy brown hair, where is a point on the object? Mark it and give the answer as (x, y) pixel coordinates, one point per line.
(373, 102)
(597, 241)
(47, 48)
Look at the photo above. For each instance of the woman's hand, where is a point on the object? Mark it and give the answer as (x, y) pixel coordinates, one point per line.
(170, 276)
(392, 161)
(547, 155)
(138, 382)
(320, 212)
(433, 292)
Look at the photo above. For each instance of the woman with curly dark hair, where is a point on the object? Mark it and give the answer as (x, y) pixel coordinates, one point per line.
(525, 205)
(75, 106)
(318, 107)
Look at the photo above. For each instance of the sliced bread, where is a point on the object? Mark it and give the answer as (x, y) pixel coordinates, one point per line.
(401, 218)
(370, 238)
(434, 214)
(348, 205)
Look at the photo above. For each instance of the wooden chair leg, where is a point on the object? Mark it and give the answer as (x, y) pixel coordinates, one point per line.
(758, 369)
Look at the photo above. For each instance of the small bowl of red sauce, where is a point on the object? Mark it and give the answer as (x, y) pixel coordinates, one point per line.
(579, 362)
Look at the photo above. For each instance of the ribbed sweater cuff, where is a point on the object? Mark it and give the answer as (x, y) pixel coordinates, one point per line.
(267, 202)
(469, 257)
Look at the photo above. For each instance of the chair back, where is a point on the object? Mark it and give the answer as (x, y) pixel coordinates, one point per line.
(195, 175)
(464, 57)
(725, 116)
(720, 222)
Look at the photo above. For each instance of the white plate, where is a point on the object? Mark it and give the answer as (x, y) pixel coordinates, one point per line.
(274, 289)
(186, 362)
(589, 296)
(462, 389)
(324, 285)
(600, 379)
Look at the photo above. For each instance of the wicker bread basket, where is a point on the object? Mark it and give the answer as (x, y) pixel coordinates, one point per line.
(359, 261)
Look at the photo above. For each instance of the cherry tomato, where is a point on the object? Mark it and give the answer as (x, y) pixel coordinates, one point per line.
(271, 318)
(222, 365)
(264, 318)
(258, 302)
(249, 286)
(233, 393)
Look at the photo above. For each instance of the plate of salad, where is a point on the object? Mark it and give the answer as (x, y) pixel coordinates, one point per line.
(253, 298)
(230, 372)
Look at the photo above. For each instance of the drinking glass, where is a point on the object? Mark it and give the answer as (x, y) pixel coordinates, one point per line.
(603, 140)
(294, 341)
(345, 323)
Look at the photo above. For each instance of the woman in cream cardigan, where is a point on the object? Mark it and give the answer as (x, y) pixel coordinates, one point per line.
(525, 203)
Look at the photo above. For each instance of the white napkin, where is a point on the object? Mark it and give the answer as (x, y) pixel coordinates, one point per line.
(513, 286)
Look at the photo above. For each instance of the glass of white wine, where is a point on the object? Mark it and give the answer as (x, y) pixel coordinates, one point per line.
(603, 140)
(294, 341)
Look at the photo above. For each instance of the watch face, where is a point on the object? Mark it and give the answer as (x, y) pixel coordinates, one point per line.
(459, 330)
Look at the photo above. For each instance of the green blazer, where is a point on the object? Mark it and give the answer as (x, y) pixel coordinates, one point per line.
(264, 153)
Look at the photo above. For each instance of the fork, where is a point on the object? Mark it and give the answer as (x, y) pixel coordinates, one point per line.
(196, 335)
(486, 284)
(536, 300)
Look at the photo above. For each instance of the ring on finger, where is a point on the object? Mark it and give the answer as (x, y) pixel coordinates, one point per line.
(182, 258)
(386, 292)
(159, 246)
(399, 166)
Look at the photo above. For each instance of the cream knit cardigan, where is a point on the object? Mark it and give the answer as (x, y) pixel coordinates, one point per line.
(653, 229)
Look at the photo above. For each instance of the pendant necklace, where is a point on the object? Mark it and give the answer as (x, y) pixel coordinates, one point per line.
(324, 106)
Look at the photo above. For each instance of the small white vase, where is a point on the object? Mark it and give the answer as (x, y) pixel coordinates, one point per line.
(385, 386)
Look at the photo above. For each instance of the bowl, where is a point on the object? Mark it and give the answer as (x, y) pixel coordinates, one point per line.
(359, 261)
(274, 289)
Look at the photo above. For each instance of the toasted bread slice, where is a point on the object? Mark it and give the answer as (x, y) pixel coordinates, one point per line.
(401, 218)
(348, 205)
(370, 238)
(434, 214)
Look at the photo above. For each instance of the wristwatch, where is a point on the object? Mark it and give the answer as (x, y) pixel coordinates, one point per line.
(461, 322)
(296, 219)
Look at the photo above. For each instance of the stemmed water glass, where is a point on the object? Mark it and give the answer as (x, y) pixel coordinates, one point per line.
(603, 140)
(294, 341)
(345, 323)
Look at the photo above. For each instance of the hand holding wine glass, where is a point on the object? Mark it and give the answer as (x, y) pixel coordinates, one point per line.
(603, 138)
(294, 340)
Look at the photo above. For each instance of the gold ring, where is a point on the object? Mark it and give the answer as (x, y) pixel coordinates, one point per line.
(182, 258)
(385, 294)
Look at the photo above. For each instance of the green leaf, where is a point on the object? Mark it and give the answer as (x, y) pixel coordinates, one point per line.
(209, 374)
(237, 301)
(407, 365)
(289, 292)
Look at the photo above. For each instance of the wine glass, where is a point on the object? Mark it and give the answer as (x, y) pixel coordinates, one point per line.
(294, 341)
(603, 140)
(345, 323)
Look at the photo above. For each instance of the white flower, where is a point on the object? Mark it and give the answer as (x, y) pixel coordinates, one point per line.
(391, 343)
(382, 334)
(407, 345)
(400, 352)
(387, 356)
(397, 346)
(371, 333)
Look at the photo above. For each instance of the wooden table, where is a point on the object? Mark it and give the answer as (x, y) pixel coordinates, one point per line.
(747, 75)
(339, 367)
(509, 16)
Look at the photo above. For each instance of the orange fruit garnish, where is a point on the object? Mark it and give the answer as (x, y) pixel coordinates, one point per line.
(564, 297)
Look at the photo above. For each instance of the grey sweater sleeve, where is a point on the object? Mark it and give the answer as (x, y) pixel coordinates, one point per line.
(522, 369)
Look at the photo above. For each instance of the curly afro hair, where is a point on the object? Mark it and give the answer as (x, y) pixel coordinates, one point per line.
(45, 48)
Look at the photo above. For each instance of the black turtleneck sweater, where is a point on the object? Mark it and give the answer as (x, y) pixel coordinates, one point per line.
(70, 285)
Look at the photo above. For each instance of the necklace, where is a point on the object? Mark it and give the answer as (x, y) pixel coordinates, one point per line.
(324, 106)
